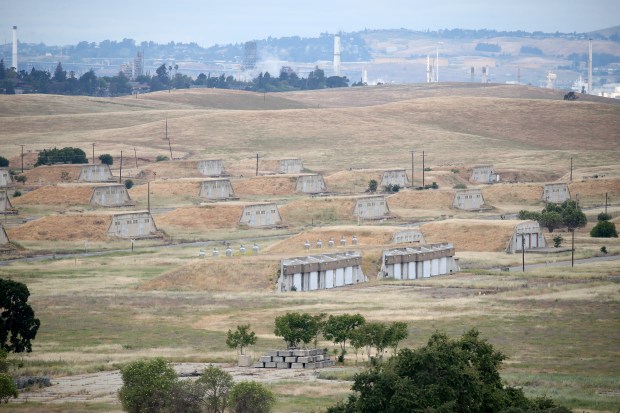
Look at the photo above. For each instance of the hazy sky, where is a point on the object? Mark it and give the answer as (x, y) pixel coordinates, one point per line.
(207, 22)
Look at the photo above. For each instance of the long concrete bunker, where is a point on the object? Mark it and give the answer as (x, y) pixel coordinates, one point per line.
(468, 199)
(95, 173)
(310, 184)
(138, 224)
(424, 261)
(555, 193)
(216, 189)
(211, 167)
(371, 207)
(289, 166)
(484, 174)
(395, 177)
(110, 196)
(318, 272)
(260, 215)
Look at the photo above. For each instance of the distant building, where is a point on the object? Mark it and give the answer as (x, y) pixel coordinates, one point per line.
(371, 207)
(555, 193)
(260, 215)
(423, 261)
(249, 56)
(138, 66)
(484, 174)
(468, 199)
(395, 177)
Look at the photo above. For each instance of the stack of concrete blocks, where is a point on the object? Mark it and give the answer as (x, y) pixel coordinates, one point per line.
(289, 166)
(412, 263)
(484, 174)
(468, 199)
(6, 179)
(310, 184)
(95, 173)
(372, 207)
(395, 177)
(555, 193)
(295, 359)
(211, 167)
(216, 189)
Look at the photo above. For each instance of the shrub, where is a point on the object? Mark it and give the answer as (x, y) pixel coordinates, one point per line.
(161, 158)
(434, 185)
(216, 385)
(16, 194)
(604, 229)
(372, 185)
(251, 397)
(603, 217)
(557, 241)
(128, 183)
(7, 388)
(392, 188)
(147, 385)
(4, 162)
(460, 185)
(241, 338)
(64, 155)
(106, 159)
(455, 171)
(604, 249)
(21, 178)
(427, 169)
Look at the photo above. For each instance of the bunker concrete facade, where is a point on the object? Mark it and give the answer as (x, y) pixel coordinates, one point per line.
(319, 272)
(408, 236)
(371, 207)
(484, 174)
(394, 177)
(527, 234)
(6, 179)
(468, 199)
(5, 203)
(110, 196)
(95, 173)
(424, 261)
(216, 189)
(289, 166)
(310, 184)
(260, 215)
(211, 167)
(555, 193)
(138, 224)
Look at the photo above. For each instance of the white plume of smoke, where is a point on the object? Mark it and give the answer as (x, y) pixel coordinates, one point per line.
(266, 62)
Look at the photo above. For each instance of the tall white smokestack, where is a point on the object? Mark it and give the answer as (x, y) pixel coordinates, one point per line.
(590, 67)
(15, 48)
(337, 55)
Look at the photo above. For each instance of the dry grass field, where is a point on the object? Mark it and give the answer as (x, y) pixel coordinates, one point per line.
(557, 325)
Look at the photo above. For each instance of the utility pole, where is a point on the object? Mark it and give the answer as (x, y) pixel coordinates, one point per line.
(412, 185)
(523, 252)
(256, 164)
(605, 203)
(572, 249)
(571, 169)
(423, 169)
(93, 153)
(169, 145)
(120, 171)
(22, 158)
(135, 156)
(148, 196)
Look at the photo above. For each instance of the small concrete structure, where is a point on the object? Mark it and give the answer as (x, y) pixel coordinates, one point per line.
(289, 166)
(310, 184)
(6, 179)
(527, 234)
(318, 272)
(110, 196)
(260, 215)
(394, 177)
(132, 225)
(468, 199)
(412, 263)
(5, 204)
(216, 189)
(95, 173)
(555, 193)
(371, 207)
(295, 359)
(483, 174)
(211, 167)
(412, 235)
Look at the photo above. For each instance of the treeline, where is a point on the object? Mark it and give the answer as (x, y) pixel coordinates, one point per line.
(63, 83)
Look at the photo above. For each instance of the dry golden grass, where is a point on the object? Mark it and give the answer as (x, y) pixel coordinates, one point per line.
(63, 227)
(167, 189)
(330, 210)
(57, 195)
(593, 190)
(512, 194)
(352, 181)
(202, 218)
(431, 199)
(46, 175)
(265, 185)
(470, 235)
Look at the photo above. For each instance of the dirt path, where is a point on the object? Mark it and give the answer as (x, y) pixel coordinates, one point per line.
(562, 263)
(102, 387)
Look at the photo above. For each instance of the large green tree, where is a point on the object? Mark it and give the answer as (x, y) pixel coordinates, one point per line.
(216, 384)
(241, 338)
(18, 325)
(147, 386)
(295, 328)
(339, 328)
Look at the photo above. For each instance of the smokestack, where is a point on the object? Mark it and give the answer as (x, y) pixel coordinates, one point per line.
(337, 55)
(590, 67)
(15, 48)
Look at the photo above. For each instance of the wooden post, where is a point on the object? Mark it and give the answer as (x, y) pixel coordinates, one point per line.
(523, 252)
(148, 196)
(135, 156)
(412, 185)
(571, 167)
(120, 171)
(423, 167)
(256, 164)
(572, 249)
(93, 154)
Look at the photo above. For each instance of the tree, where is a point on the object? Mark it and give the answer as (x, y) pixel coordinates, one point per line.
(251, 397)
(18, 325)
(604, 229)
(4, 162)
(147, 385)
(59, 74)
(65, 155)
(8, 388)
(241, 338)
(603, 216)
(106, 159)
(550, 220)
(217, 385)
(295, 328)
(339, 328)
(396, 332)
(557, 241)
(372, 185)
(572, 216)
(128, 183)
(446, 375)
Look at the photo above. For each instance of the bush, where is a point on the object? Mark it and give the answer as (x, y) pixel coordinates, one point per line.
(7, 388)
(372, 185)
(16, 194)
(460, 185)
(4, 162)
(603, 217)
(21, 178)
(251, 397)
(427, 169)
(392, 188)
(216, 385)
(161, 158)
(434, 185)
(128, 183)
(147, 386)
(557, 241)
(106, 159)
(455, 171)
(604, 249)
(604, 229)
(64, 155)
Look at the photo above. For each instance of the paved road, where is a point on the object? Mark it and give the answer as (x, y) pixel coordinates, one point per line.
(519, 268)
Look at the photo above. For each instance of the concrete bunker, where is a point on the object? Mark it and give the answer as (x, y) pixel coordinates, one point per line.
(289, 166)
(211, 167)
(139, 224)
(484, 174)
(216, 189)
(526, 234)
(394, 177)
(412, 235)
(371, 207)
(260, 215)
(319, 272)
(95, 173)
(468, 199)
(110, 196)
(5, 178)
(424, 261)
(555, 193)
(5, 204)
(310, 184)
